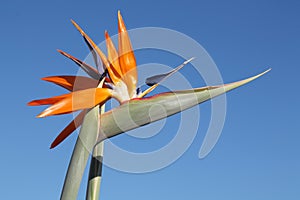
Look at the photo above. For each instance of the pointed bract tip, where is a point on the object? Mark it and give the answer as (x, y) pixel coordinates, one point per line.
(43, 114)
(78, 27)
(33, 103)
(247, 80)
(64, 53)
(39, 116)
(73, 22)
(60, 51)
(106, 34)
(121, 24)
(263, 73)
(52, 146)
(189, 60)
(45, 78)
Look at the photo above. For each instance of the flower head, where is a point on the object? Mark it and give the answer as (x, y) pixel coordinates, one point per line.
(119, 76)
(118, 80)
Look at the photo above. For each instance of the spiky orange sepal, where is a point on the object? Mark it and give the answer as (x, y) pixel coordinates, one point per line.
(91, 71)
(126, 57)
(112, 55)
(69, 129)
(112, 72)
(73, 83)
(46, 101)
(78, 100)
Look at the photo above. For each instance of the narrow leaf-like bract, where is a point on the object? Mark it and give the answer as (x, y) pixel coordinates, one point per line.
(135, 112)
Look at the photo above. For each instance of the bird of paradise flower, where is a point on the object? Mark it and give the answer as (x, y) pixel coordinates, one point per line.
(119, 81)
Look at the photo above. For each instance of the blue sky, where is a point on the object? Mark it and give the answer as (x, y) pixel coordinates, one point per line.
(257, 156)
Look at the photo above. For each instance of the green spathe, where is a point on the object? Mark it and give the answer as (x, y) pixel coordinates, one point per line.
(135, 112)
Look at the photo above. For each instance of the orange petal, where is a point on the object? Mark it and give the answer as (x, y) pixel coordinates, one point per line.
(91, 71)
(96, 57)
(126, 57)
(78, 100)
(73, 83)
(69, 129)
(91, 42)
(47, 101)
(113, 57)
(111, 72)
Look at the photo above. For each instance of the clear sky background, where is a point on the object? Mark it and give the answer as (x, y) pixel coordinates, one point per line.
(258, 154)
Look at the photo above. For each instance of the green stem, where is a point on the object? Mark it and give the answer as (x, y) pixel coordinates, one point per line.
(95, 173)
(84, 145)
